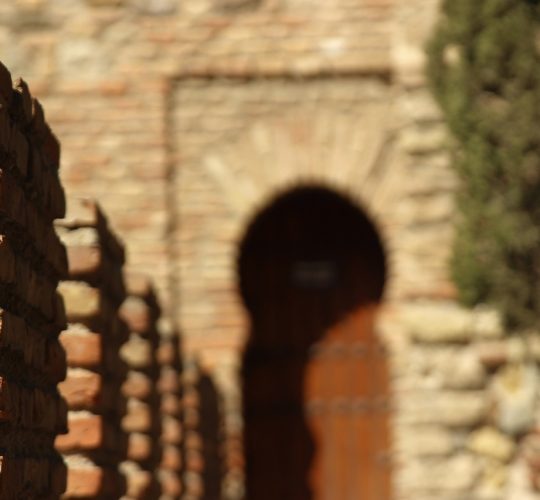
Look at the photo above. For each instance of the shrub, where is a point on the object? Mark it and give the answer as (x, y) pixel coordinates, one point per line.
(484, 69)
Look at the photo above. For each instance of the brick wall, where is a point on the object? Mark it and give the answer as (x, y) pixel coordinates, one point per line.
(204, 438)
(184, 118)
(143, 420)
(32, 260)
(84, 68)
(172, 412)
(96, 442)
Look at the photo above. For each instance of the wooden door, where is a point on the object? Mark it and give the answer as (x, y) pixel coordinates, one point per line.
(315, 386)
(347, 409)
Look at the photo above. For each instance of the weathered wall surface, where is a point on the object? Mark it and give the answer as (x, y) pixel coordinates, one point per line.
(96, 442)
(106, 71)
(32, 261)
(143, 422)
(184, 118)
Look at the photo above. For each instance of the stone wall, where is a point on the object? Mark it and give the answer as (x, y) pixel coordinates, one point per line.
(32, 261)
(466, 404)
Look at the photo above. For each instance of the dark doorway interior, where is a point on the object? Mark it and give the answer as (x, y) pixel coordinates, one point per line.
(312, 271)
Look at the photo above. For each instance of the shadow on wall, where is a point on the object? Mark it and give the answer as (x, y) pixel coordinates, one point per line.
(211, 433)
(312, 270)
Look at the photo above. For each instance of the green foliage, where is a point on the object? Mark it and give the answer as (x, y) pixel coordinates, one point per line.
(484, 68)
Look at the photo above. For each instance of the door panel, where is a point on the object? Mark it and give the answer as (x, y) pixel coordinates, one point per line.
(314, 375)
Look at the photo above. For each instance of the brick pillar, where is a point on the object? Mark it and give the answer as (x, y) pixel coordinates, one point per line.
(172, 433)
(32, 260)
(203, 445)
(95, 444)
(142, 422)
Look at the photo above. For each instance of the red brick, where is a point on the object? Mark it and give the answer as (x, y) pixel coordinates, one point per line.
(55, 363)
(171, 430)
(171, 458)
(167, 353)
(87, 480)
(82, 389)
(83, 349)
(140, 483)
(21, 87)
(86, 432)
(139, 417)
(169, 381)
(170, 404)
(138, 352)
(137, 314)
(29, 286)
(29, 408)
(137, 385)
(171, 483)
(24, 478)
(84, 212)
(140, 447)
(83, 260)
(89, 306)
(82, 302)
(6, 84)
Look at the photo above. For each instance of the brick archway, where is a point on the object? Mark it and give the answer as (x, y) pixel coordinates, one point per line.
(279, 133)
(315, 384)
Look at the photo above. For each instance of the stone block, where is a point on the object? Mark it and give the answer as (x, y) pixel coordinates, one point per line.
(492, 354)
(454, 409)
(454, 477)
(514, 396)
(427, 441)
(437, 322)
(491, 443)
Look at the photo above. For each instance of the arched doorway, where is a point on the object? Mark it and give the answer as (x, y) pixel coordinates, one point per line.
(312, 270)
